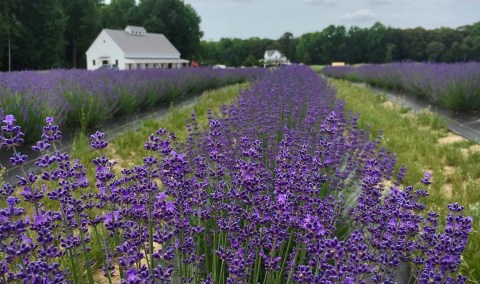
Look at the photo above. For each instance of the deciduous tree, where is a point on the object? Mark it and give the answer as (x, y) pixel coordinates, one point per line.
(83, 25)
(178, 21)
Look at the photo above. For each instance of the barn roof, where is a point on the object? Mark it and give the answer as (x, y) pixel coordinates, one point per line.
(149, 43)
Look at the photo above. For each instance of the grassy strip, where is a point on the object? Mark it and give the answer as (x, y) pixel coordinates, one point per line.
(128, 148)
(317, 68)
(416, 139)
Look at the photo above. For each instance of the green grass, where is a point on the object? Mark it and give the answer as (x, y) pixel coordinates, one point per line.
(128, 149)
(415, 140)
(317, 68)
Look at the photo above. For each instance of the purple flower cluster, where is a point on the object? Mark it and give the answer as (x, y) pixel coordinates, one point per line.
(281, 188)
(454, 86)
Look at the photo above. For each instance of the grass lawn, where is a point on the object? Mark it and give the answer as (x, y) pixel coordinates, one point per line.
(422, 143)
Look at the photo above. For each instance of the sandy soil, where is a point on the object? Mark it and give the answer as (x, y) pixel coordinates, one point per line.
(448, 190)
(390, 105)
(449, 170)
(471, 150)
(451, 138)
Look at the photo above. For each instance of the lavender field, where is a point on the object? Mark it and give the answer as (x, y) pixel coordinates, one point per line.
(282, 188)
(453, 86)
(79, 98)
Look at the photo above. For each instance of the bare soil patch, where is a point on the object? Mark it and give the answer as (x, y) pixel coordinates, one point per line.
(387, 184)
(449, 170)
(470, 150)
(448, 190)
(99, 278)
(474, 148)
(451, 138)
(390, 105)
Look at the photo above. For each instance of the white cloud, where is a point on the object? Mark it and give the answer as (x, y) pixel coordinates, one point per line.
(360, 15)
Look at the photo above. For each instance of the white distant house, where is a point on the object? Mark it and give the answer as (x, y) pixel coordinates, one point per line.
(275, 58)
(133, 48)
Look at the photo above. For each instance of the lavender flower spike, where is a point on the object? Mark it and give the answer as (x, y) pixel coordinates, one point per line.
(97, 141)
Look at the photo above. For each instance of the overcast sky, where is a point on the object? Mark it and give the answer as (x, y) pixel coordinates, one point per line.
(271, 18)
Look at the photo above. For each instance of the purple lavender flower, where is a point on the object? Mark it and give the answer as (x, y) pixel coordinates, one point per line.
(50, 134)
(9, 120)
(11, 135)
(97, 141)
(426, 180)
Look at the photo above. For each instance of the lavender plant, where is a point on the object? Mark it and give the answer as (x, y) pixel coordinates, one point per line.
(87, 99)
(281, 188)
(454, 86)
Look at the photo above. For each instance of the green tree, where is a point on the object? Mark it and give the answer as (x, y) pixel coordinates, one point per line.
(393, 44)
(376, 43)
(251, 61)
(119, 14)
(355, 44)
(209, 54)
(434, 50)
(389, 52)
(286, 45)
(83, 25)
(447, 36)
(9, 31)
(178, 21)
(333, 45)
(308, 48)
(474, 53)
(414, 44)
(41, 43)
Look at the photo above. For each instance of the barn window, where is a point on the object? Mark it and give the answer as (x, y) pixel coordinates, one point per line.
(116, 62)
(93, 62)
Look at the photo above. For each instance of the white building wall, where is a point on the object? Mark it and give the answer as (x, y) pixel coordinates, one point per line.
(102, 49)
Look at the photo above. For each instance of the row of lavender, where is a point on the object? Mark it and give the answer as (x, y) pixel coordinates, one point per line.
(453, 86)
(79, 98)
(282, 188)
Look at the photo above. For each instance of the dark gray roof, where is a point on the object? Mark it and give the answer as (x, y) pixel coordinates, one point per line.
(147, 44)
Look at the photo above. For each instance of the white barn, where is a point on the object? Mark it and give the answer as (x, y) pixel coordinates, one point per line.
(274, 57)
(133, 48)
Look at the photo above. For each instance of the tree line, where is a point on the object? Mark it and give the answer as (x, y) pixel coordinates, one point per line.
(44, 34)
(377, 44)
